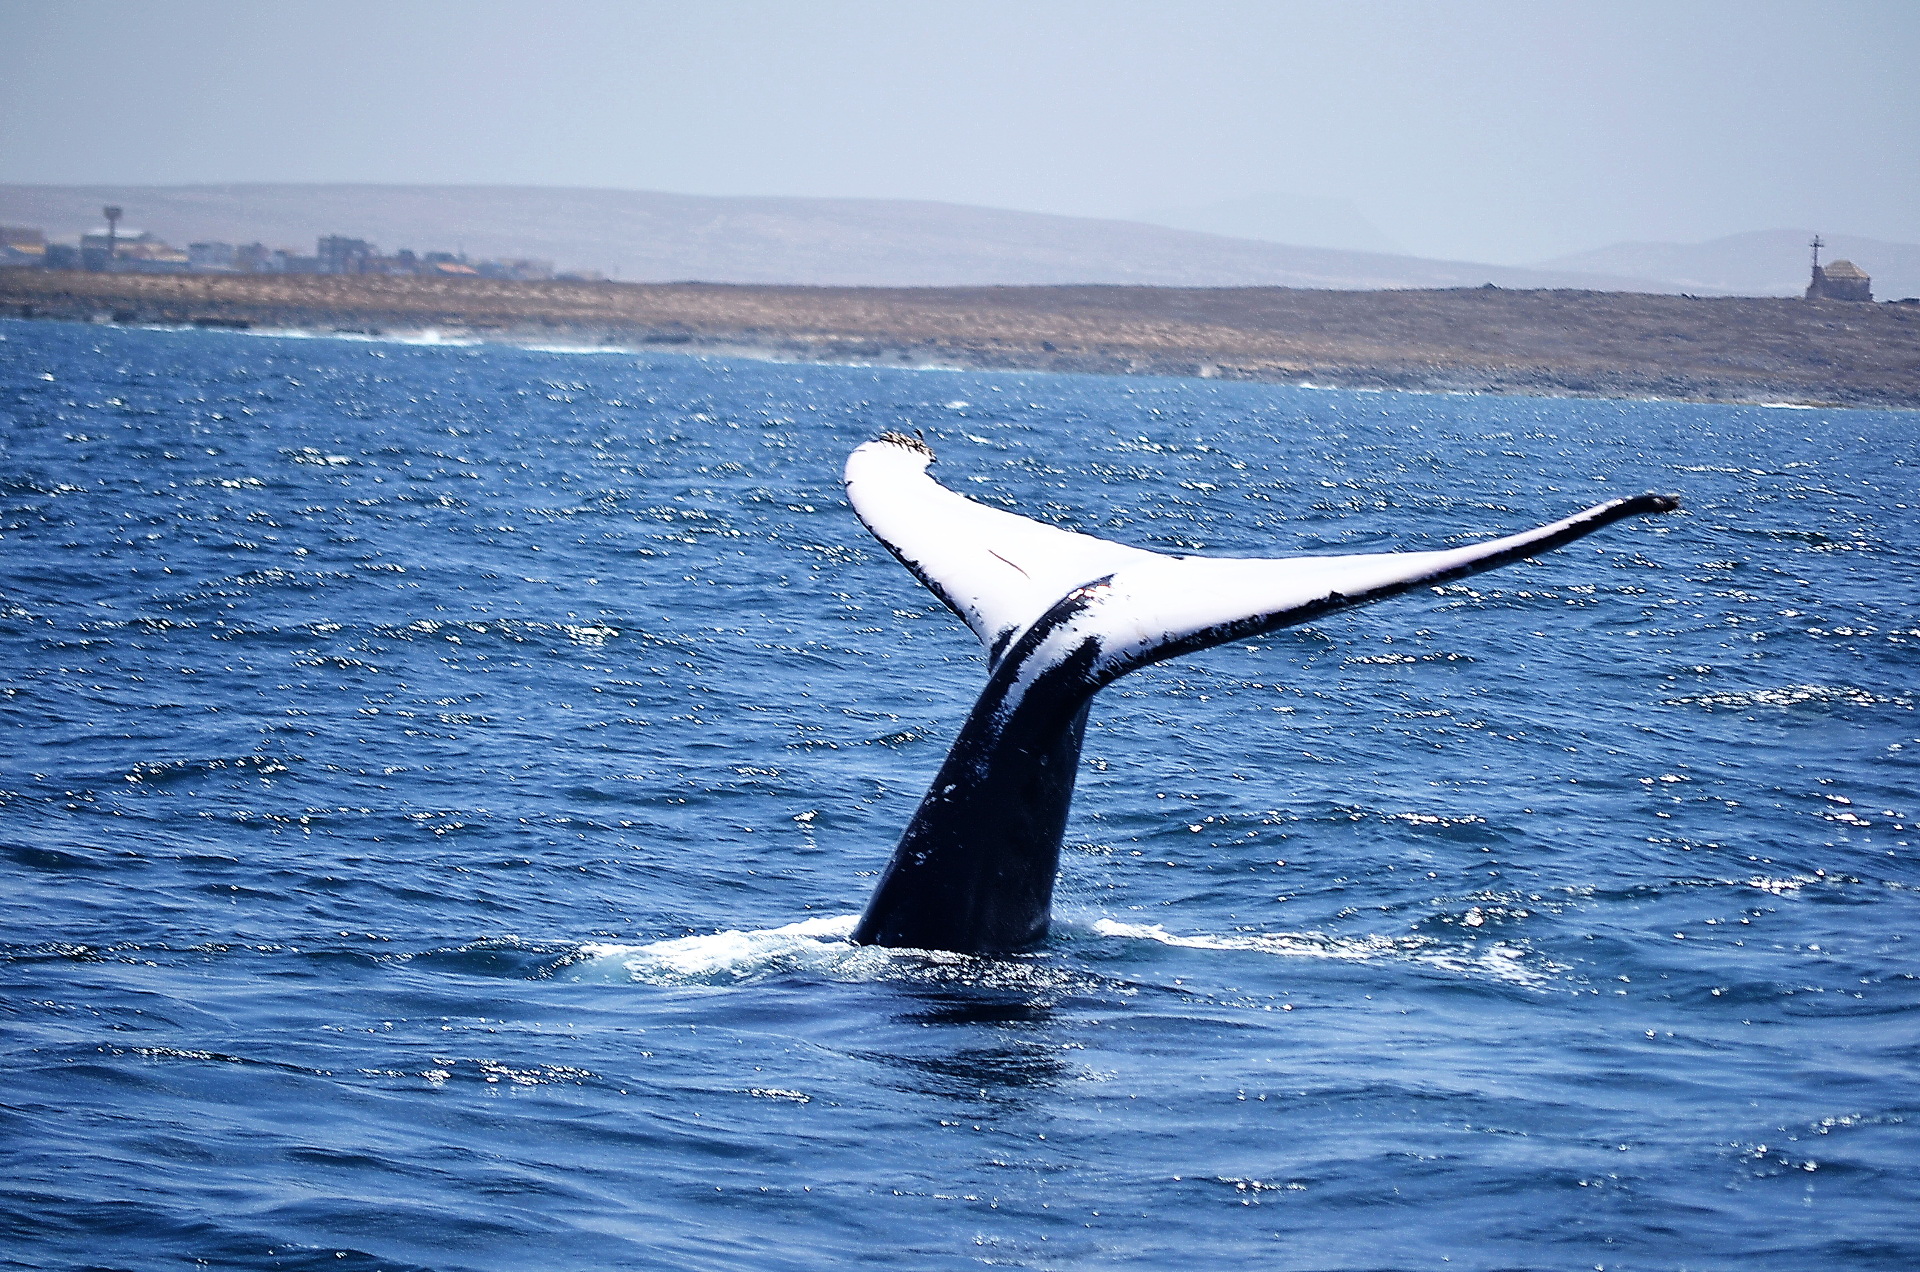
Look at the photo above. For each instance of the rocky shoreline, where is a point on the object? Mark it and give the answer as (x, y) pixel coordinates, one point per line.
(1485, 340)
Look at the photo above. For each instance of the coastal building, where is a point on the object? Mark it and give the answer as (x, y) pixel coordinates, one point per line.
(131, 252)
(251, 258)
(22, 245)
(444, 263)
(102, 249)
(211, 258)
(1839, 280)
(338, 254)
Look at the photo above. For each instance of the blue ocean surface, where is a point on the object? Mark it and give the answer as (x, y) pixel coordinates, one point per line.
(438, 781)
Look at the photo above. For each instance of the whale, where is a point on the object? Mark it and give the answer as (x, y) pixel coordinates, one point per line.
(1061, 616)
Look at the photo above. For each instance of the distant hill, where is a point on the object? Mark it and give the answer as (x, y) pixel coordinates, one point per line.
(1295, 219)
(1763, 263)
(649, 237)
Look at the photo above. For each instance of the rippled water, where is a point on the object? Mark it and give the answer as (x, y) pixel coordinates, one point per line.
(438, 782)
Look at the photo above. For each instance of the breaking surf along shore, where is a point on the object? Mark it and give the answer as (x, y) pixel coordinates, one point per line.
(1485, 340)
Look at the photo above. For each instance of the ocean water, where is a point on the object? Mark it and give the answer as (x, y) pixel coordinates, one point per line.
(437, 783)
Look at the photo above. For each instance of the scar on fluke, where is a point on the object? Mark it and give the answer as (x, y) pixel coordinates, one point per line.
(974, 870)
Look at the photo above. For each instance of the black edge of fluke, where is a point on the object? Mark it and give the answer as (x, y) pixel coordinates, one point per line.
(974, 870)
(912, 441)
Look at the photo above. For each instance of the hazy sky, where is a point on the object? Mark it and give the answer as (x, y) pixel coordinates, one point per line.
(1495, 131)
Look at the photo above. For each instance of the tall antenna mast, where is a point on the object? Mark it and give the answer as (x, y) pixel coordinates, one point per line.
(113, 226)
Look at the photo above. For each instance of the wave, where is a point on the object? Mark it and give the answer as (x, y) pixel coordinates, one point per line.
(817, 945)
(1504, 961)
(823, 947)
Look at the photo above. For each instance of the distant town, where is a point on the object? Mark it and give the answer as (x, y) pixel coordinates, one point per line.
(114, 249)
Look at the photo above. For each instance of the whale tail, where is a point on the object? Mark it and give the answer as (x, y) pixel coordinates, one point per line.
(1063, 614)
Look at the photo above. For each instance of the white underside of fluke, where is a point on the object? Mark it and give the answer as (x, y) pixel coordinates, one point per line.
(997, 570)
(1001, 572)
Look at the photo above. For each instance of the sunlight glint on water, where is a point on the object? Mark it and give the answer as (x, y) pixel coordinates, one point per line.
(441, 779)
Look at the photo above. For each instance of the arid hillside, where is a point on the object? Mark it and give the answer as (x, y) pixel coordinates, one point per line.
(1481, 339)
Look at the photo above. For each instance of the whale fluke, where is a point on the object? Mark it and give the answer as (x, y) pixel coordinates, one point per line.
(1062, 615)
